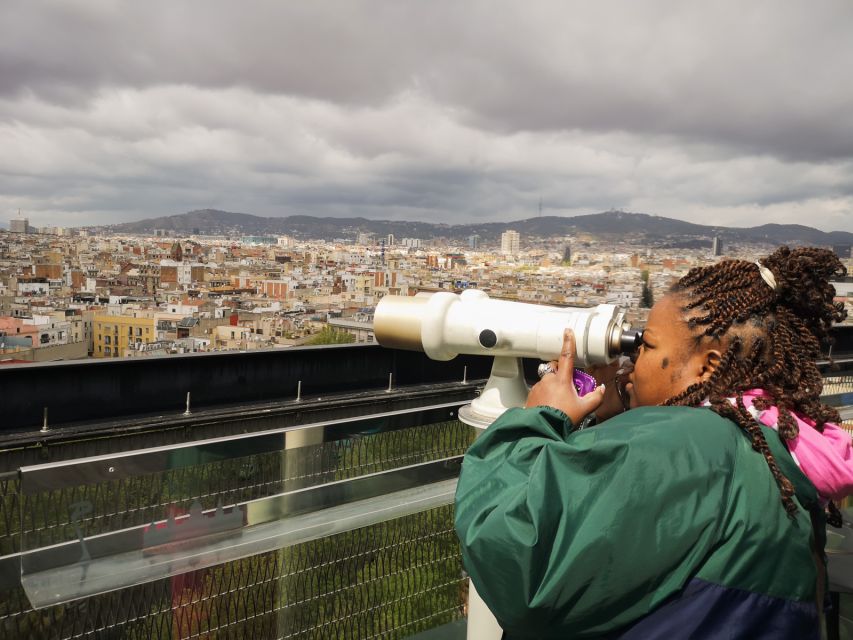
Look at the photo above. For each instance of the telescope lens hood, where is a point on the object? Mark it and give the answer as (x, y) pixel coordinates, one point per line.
(397, 322)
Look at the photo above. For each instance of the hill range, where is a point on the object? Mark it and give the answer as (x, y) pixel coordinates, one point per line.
(649, 228)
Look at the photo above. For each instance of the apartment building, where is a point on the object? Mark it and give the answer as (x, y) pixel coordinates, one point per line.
(510, 242)
(115, 334)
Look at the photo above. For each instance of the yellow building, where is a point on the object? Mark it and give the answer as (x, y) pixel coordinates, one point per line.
(114, 334)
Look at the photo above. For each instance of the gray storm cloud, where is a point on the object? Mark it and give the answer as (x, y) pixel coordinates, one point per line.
(714, 112)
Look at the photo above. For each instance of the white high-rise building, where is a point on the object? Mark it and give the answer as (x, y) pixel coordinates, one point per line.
(19, 225)
(510, 241)
(717, 246)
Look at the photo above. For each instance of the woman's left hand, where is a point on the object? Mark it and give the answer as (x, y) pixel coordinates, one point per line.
(557, 389)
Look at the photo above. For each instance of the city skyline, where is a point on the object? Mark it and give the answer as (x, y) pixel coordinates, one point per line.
(406, 111)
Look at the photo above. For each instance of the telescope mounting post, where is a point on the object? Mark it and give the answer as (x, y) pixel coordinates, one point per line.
(505, 389)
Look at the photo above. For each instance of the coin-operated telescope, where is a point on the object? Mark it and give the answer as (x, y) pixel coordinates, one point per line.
(445, 324)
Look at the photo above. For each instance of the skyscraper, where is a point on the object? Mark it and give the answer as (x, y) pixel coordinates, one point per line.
(717, 246)
(510, 243)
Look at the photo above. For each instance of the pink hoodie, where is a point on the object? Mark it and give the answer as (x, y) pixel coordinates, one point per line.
(825, 458)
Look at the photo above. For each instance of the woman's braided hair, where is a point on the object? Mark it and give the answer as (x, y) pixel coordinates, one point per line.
(773, 341)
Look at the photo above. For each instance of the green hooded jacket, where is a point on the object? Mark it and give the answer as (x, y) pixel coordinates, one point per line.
(662, 522)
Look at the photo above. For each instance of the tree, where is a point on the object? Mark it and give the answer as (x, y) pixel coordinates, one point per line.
(330, 335)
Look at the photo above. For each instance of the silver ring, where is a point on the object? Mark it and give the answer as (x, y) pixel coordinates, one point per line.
(544, 369)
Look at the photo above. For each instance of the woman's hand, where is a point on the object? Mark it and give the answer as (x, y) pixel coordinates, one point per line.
(557, 389)
(613, 376)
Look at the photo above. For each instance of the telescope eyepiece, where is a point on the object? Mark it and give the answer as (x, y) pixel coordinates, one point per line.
(630, 340)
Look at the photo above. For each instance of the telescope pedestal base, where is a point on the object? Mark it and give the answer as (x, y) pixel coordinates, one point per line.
(468, 416)
(505, 389)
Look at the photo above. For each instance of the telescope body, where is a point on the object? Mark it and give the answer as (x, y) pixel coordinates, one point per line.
(445, 324)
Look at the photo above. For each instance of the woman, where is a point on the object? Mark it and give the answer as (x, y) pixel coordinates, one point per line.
(685, 517)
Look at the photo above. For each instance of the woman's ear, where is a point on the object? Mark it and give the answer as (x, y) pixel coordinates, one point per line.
(710, 361)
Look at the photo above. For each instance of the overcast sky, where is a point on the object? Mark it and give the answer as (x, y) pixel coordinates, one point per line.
(736, 113)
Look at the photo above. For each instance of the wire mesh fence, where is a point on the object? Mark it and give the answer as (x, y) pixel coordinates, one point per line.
(835, 385)
(389, 580)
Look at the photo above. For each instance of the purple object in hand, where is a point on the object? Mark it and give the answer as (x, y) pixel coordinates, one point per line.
(584, 383)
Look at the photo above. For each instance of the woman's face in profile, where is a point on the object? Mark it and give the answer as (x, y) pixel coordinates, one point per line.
(666, 365)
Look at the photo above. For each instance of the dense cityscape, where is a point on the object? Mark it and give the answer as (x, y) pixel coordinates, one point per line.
(284, 298)
(74, 293)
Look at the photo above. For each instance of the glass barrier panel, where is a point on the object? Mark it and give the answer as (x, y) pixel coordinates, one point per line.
(394, 579)
(170, 516)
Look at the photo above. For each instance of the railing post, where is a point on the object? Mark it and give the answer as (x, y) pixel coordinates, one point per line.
(482, 624)
(294, 466)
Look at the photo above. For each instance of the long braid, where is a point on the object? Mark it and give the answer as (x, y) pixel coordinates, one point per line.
(776, 336)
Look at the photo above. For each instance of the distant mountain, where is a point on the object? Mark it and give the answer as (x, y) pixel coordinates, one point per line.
(215, 222)
(656, 229)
